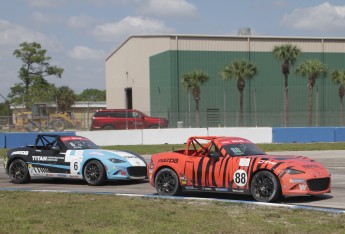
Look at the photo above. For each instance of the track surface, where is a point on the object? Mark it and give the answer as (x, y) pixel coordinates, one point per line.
(334, 161)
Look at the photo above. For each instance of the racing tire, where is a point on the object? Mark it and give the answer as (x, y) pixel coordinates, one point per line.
(18, 172)
(154, 126)
(167, 182)
(108, 127)
(265, 187)
(59, 125)
(94, 173)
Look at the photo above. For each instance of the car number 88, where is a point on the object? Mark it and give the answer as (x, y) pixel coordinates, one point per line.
(240, 178)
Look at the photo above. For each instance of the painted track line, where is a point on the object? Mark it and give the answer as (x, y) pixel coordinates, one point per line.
(153, 196)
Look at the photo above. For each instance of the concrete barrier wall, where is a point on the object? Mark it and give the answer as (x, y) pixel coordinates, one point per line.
(180, 135)
(171, 135)
(339, 134)
(303, 135)
(2, 140)
(116, 137)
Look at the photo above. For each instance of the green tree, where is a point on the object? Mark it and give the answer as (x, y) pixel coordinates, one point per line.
(239, 70)
(338, 77)
(192, 82)
(92, 95)
(311, 69)
(35, 67)
(288, 54)
(65, 98)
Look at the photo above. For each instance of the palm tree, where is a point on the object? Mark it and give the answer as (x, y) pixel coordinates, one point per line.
(288, 54)
(65, 97)
(239, 70)
(338, 77)
(192, 81)
(312, 69)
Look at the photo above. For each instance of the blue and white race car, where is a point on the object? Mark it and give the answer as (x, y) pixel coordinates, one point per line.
(72, 157)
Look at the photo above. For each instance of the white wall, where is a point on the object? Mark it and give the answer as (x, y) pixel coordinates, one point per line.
(172, 135)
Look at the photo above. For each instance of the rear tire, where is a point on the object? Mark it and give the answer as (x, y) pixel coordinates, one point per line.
(108, 127)
(18, 172)
(167, 182)
(265, 187)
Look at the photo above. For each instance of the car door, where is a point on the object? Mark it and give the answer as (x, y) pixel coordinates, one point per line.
(207, 173)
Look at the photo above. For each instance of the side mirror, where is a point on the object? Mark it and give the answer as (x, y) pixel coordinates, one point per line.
(214, 155)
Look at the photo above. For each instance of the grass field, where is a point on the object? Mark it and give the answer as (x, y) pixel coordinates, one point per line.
(33, 212)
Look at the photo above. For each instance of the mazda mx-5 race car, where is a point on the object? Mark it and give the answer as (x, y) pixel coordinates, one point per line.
(72, 157)
(235, 165)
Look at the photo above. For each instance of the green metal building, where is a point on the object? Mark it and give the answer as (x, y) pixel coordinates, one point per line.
(145, 73)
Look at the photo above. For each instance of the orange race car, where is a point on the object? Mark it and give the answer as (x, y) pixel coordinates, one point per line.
(236, 165)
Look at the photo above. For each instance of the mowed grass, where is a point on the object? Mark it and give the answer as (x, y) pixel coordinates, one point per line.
(34, 212)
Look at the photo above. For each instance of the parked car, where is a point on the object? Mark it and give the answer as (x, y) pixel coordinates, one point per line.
(72, 157)
(236, 165)
(109, 119)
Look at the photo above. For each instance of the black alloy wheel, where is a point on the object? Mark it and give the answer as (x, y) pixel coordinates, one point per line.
(19, 172)
(265, 187)
(94, 173)
(167, 183)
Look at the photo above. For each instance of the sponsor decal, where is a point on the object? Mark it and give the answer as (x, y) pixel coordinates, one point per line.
(297, 180)
(310, 166)
(191, 188)
(267, 162)
(169, 160)
(46, 158)
(20, 152)
(240, 178)
(238, 190)
(96, 153)
(129, 156)
(244, 162)
(38, 170)
(123, 173)
(206, 189)
(61, 175)
(302, 187)
(184, 179)
(222, 189)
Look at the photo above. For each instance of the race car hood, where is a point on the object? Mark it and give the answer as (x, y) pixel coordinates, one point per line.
(292, 163)
(126, 156)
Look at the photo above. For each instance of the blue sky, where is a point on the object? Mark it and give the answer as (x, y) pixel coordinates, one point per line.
(80, 34)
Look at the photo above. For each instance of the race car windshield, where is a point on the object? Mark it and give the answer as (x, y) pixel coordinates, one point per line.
(243, 149)
(80, 144)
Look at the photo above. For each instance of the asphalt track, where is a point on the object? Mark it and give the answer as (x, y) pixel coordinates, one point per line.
(333, 160)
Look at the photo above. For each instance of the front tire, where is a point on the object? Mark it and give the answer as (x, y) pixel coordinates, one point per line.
(18, 172)
(265, 187)
(167, 183)
(94, 173)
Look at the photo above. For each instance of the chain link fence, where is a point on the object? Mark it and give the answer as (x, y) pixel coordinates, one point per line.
(209, 118)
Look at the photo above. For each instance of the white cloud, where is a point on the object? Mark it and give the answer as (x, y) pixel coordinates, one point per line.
(86, 53)
(180, 8)
(12, 34)
(324, 17)
(82, 21)
(129, 26)
(45, 3)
